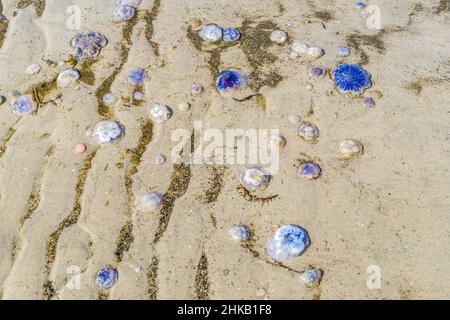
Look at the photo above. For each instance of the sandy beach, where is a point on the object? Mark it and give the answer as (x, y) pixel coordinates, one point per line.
(65, 215)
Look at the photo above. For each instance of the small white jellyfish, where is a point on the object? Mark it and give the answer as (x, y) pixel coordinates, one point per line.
(240, 232)
(184, 106)
(108, 131)
(67, 77)
(211, 33)
(23, 105)
(196, 89)
(311, 277)
(343, 51)
(315, 52)
(254, 178)
(350, 149)
(309, 86)
(308, 132)
(289, 242)
(159, 159)
(152, 201)
(138, 96)
(124, 13)
(277, 142)
(33, 69)
(160, 113)
(109, 99)
(260, 292)
(278, 36)
(299, 47)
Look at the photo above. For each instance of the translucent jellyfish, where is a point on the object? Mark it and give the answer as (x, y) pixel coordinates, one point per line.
(277, 142)
(369, 102)
(138, 96)
(88, 44)
(230, 80)
(160, 113)
(231, 34)
(350, 149)
(106, 278)
(309, 171)
(108, 131)
(317, 72)
(67, 78)
(289, 242)
(314, 52)
(311, 278)
(152, 201)
(23, 105)
(278, 36)
(109, 99)
(299, 47)
(184, 106)
(308, 132)
(360, 5)
(124, 13)
(351, 78)
(137, 76)
(33, 69)
(254, 178)
(343, 51)
(240, 232)
(294, 119)
(211, 33)
(159, 159)
(309, 86)
(196, 89)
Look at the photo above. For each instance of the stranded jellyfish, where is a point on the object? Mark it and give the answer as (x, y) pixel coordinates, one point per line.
(309, 171)
(88, 44)
(240, 232)
(23, 105)
(351, 78)
(108, 131)
(289, 242)
(152, 201)
(254, 178)
(211, 33)
(230, 80)
(106, 278)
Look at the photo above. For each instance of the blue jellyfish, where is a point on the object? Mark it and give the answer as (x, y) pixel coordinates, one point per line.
(229, 80)
(351, 78)
(124, 13)
(23, 105)
(231, 34)
(309, 171)
(106, 278)
(240, 232)
(88, 44)
(289, 242)
(317, 72)
(137, 76)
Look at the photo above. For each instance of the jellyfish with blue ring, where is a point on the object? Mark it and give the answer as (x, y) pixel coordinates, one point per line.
(228, 80)
(351, 78)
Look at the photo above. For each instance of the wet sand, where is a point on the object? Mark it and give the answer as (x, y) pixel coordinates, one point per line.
(60, 210)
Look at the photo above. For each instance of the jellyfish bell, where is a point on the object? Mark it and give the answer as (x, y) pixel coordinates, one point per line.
(106, 278)
(230, 80)
(351, 78)
(289, 242)
(254, 179)
(107, 132)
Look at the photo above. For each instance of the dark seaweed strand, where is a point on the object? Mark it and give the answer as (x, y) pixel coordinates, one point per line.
(149, 18)
(202, 279)
(70, 220)
(126, 234)
(103, 110)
